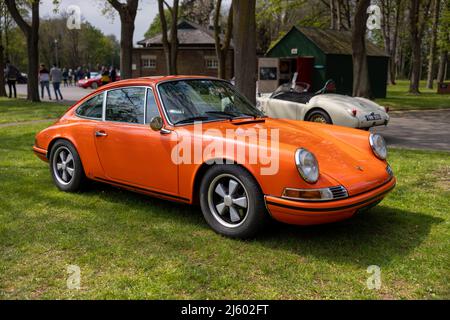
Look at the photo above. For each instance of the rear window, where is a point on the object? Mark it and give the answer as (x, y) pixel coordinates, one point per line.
(93, 108)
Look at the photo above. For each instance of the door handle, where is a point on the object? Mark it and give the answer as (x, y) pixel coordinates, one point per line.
(100, 134)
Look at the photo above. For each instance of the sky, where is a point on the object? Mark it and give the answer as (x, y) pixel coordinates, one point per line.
(91, 12)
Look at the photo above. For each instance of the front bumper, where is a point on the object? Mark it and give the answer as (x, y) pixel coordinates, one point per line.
(308, 213)
(363, 123)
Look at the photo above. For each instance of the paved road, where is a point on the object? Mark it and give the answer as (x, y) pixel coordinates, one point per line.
(70, 94)
(428, 130)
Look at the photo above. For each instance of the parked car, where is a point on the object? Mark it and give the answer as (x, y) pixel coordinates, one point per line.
(140, 134)
(93, 82)
(295, 102)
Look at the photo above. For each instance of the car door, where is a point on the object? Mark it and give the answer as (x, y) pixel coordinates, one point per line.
(129, 151)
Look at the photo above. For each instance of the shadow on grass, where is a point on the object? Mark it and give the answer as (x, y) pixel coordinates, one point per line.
(373, 237)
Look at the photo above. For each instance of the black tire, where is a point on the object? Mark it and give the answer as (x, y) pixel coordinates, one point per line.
(253, 217)
(74, 182)
(319, 114)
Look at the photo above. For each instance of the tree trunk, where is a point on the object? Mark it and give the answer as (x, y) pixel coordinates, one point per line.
(442, 66)
(170, 46)
(33, 66)
(127, 12)
(126, 48)
(31, 33)
(244, 31)
(222, 48)
(2, 74)
(174, 39)
(361, 84)
(432, 56)
(415, 47)
(2, 61)
(332, 16)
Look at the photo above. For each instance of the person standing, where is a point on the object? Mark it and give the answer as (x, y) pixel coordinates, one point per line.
(65, 75)
(44, 80)
(105, 76)
(113, 74)
(56, 77)
(12, 74)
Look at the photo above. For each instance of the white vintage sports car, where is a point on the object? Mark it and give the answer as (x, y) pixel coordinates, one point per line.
(292, 102)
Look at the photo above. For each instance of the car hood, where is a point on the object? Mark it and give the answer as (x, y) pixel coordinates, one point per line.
(358, 103)
(344, 154)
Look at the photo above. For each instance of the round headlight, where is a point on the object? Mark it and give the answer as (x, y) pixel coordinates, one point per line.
(378, 146)
(307, 165)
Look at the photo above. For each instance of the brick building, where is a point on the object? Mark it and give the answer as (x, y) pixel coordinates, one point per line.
(196, 54)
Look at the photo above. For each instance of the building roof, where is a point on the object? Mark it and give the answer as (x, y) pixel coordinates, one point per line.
(189, 33)
(334, 41)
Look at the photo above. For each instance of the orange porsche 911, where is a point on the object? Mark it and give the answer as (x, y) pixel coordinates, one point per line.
(196, 140)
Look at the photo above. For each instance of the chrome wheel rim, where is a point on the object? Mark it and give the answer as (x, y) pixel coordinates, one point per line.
(228, 200)
(63, 165)
(318, 118)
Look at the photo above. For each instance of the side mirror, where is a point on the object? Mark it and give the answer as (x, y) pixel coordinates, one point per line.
(156, 124)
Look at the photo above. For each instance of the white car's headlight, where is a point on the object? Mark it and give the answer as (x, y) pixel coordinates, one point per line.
(378, 146)
(307, 165)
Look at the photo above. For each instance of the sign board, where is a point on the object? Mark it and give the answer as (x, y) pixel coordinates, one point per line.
(294, 51)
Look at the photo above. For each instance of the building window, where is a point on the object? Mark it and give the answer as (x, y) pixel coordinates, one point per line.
(148, 62)
(212, 63)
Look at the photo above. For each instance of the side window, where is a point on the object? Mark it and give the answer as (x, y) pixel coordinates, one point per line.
(125, 105)
(152, 108)
(92, 108)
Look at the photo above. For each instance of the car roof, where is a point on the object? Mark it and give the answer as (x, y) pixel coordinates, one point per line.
(144, 81)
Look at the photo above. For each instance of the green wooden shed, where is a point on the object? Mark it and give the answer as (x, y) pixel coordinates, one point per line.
(332, 53)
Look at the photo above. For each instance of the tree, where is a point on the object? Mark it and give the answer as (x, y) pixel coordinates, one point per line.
(244, 35)
(417, 26)
(433, 40)
(443, 41)
(127, 13)
(361, 84)
(170, 42)
(391, 12)
(222, 47)
(31, 32)
(3, 18)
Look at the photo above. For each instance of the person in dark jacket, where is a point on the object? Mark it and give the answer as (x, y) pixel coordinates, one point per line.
(113, 74)
(11, 75)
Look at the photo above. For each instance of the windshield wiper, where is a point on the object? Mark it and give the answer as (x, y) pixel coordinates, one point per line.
(222, 113)
(191, 119)
(231, 115)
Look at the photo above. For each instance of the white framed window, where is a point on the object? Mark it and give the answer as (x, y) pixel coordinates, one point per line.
(148, 62)
(211, 63)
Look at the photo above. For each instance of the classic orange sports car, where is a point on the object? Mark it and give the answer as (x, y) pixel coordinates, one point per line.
(196, 140)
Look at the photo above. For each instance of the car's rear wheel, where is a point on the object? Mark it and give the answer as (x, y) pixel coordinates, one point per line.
(319, 116)
(94, 85)
(232, 202)
(65, 166)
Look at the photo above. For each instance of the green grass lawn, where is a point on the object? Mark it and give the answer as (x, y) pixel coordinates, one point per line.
(18, 110)
(133, 246)
(398, 97)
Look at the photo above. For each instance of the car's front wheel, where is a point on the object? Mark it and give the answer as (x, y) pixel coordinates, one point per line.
(65, 166)
(232, 202)
(94, 85)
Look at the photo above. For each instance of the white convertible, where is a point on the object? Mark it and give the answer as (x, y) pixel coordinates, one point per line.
(292, 102)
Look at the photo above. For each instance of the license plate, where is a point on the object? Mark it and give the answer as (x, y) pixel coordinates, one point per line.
(373, 117)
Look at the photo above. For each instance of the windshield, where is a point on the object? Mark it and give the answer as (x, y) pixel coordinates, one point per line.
(186, 101)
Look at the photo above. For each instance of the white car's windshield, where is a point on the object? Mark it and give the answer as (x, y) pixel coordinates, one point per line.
(186, 101)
